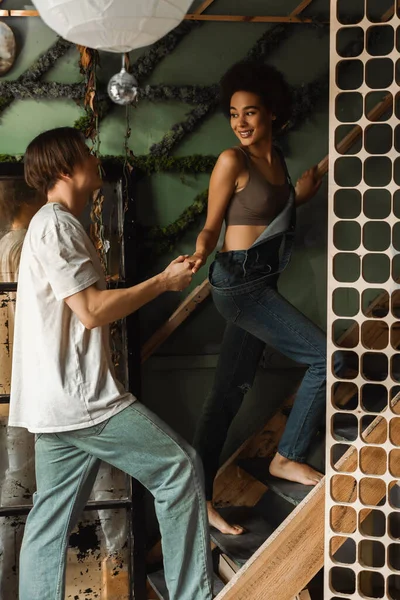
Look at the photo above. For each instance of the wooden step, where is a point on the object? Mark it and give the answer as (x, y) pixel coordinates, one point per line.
(274, 508)
(276, 566)
(294, 493)
(240, 548)
(289, 491)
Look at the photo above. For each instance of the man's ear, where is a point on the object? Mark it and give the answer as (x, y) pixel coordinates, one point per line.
(65, 176)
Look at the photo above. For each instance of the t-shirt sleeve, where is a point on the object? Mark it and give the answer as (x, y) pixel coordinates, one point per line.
(66, 261)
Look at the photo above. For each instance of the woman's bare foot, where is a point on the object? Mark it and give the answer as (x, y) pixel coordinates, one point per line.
(215, 520)
(293, 471)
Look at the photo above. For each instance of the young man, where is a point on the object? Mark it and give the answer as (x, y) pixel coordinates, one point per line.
(64, 389)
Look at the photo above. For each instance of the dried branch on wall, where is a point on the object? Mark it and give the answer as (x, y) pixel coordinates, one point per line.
(180, 130)
(33, 74)
(147, 62)
(41, 90)
(164, 239)
(190, 94)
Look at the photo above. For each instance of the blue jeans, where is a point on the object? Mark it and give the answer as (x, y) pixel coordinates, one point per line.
(140, 444)
(244, 290)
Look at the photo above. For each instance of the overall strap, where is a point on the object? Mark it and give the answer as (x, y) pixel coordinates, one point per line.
(280, 154)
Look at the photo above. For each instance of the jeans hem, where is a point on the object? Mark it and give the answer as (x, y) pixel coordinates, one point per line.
(291, 456)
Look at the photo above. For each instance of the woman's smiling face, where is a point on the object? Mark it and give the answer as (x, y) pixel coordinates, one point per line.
(250, 120)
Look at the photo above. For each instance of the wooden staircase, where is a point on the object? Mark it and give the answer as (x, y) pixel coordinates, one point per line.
(283, 546)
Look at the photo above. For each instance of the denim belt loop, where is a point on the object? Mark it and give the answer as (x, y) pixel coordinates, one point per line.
(244, 262)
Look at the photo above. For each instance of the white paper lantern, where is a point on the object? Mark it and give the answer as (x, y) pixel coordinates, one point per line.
(113, 25)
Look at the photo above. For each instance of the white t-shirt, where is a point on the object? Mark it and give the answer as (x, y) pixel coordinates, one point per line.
(62, 373)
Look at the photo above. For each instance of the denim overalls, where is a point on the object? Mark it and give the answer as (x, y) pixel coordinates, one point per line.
(244, 290)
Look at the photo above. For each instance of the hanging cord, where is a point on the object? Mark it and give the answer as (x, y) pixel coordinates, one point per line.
(89, 62)
(127, 167)
(116, 330)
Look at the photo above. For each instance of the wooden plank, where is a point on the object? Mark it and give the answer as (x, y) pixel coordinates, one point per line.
(115, 579)
(203, 6)
(276, 566)
(226, 568)
(194, 17)
(199, 11)
(236, 487)
(151, 594)
(304, 595)
(191, 302)
(18, 13)
(248, 19)
(4, 410)
(302, 6)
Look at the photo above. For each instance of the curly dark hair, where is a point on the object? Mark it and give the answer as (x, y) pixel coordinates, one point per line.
(261, 79)
(14, 194)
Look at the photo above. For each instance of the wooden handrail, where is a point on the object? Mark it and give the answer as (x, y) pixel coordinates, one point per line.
(198, 15)
(192, 17)
(248, 19)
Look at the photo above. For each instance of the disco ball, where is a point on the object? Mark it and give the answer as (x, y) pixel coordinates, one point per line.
(123, 88)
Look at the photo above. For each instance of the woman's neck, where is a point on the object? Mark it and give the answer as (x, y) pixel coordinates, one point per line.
(261, 150)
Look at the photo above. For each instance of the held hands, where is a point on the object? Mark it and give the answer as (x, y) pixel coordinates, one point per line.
(307, 185)
(196, 260)
(178, 274)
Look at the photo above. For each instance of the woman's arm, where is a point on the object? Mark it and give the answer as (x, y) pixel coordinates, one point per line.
(307, 185)
(222, 185)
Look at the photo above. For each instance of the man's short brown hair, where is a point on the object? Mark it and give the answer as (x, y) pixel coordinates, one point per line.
(51, 155)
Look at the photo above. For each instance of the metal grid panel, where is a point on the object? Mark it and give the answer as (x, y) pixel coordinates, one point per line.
(362, 518)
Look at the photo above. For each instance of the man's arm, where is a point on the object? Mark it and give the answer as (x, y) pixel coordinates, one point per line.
(95, 307)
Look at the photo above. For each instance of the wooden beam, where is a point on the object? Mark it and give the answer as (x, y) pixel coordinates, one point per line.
(304, 595)
(247, 19)
(276, 566)
(203, 6)
(192, 17)
(191, 302)
(18, 13)
(302, 6)
(198, 15)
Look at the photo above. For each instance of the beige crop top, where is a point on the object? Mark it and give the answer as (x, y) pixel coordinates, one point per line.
(260, 201)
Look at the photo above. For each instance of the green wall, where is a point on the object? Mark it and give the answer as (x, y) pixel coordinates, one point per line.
(176, 381)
